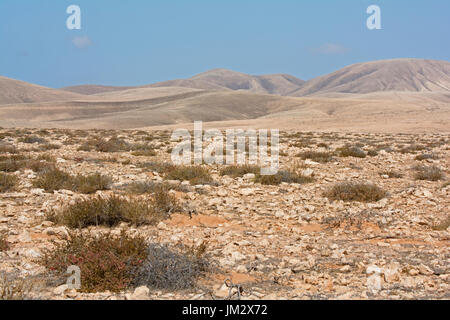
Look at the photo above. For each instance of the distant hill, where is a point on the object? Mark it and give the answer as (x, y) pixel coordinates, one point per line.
(415, 92)
(223, 79)
(413, 75)
(15, 91)
(90, 89)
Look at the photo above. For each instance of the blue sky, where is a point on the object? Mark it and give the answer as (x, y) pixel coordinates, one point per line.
(137, 42)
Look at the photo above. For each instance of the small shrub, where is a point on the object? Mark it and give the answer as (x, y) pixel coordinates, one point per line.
(146, 187)
(113, 210)
(8, 182)
(422, 157)
(106, 262)
(10, 165)
(49, 146)
(114, 144)
(239, 171)
(55, 179)
(429, 173)
(32, 139)
(391, 174)
(170, 270)
(351, 152)
(282, 176)
(14, 289)
(4, 245)
(413, 148)
(7, 148)
(159, 167)
(194, 174)
(144, 153)
(355, 191)
(442, 225)
(321, 157)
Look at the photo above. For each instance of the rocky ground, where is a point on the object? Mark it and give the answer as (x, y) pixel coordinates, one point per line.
(285, 241)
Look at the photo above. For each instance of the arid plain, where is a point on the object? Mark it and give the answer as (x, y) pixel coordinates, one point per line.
(358, 210)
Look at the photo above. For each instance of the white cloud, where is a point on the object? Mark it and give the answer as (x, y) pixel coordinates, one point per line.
(330, 48)
(82, 42)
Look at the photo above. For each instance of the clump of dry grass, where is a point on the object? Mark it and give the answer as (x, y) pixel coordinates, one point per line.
(168, 269)
(322, 157)
(146, 187)
(7, 148)
(55, 179)
(287, 176)
(14, 289)
(412, 148)
(425, 156)
(113, 210)
(4, 245)
(442, 225)
(8, 182)
(429, 173)
(196, 175)
(160, 167)
(239, 170)
(113, 144)
(355, 191)
(32, 139)
(348, 151)
(391, 174)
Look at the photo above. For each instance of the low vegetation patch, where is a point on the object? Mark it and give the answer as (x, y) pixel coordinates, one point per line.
(7, 148)
(442, 225)
(114, 144)
(354, 151)
(4, 245)
(32, 139)
(426, 156)
(106, 262)
(316, 156)
(282, 176)
(146, 187)
(412, 148)
(235, 171)
(429, 173)
(196, 175)
(113, 210)
(8, 182)
(55, 179)
(355, 191)
(14, 289)
(170, 270)
(391, 174)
